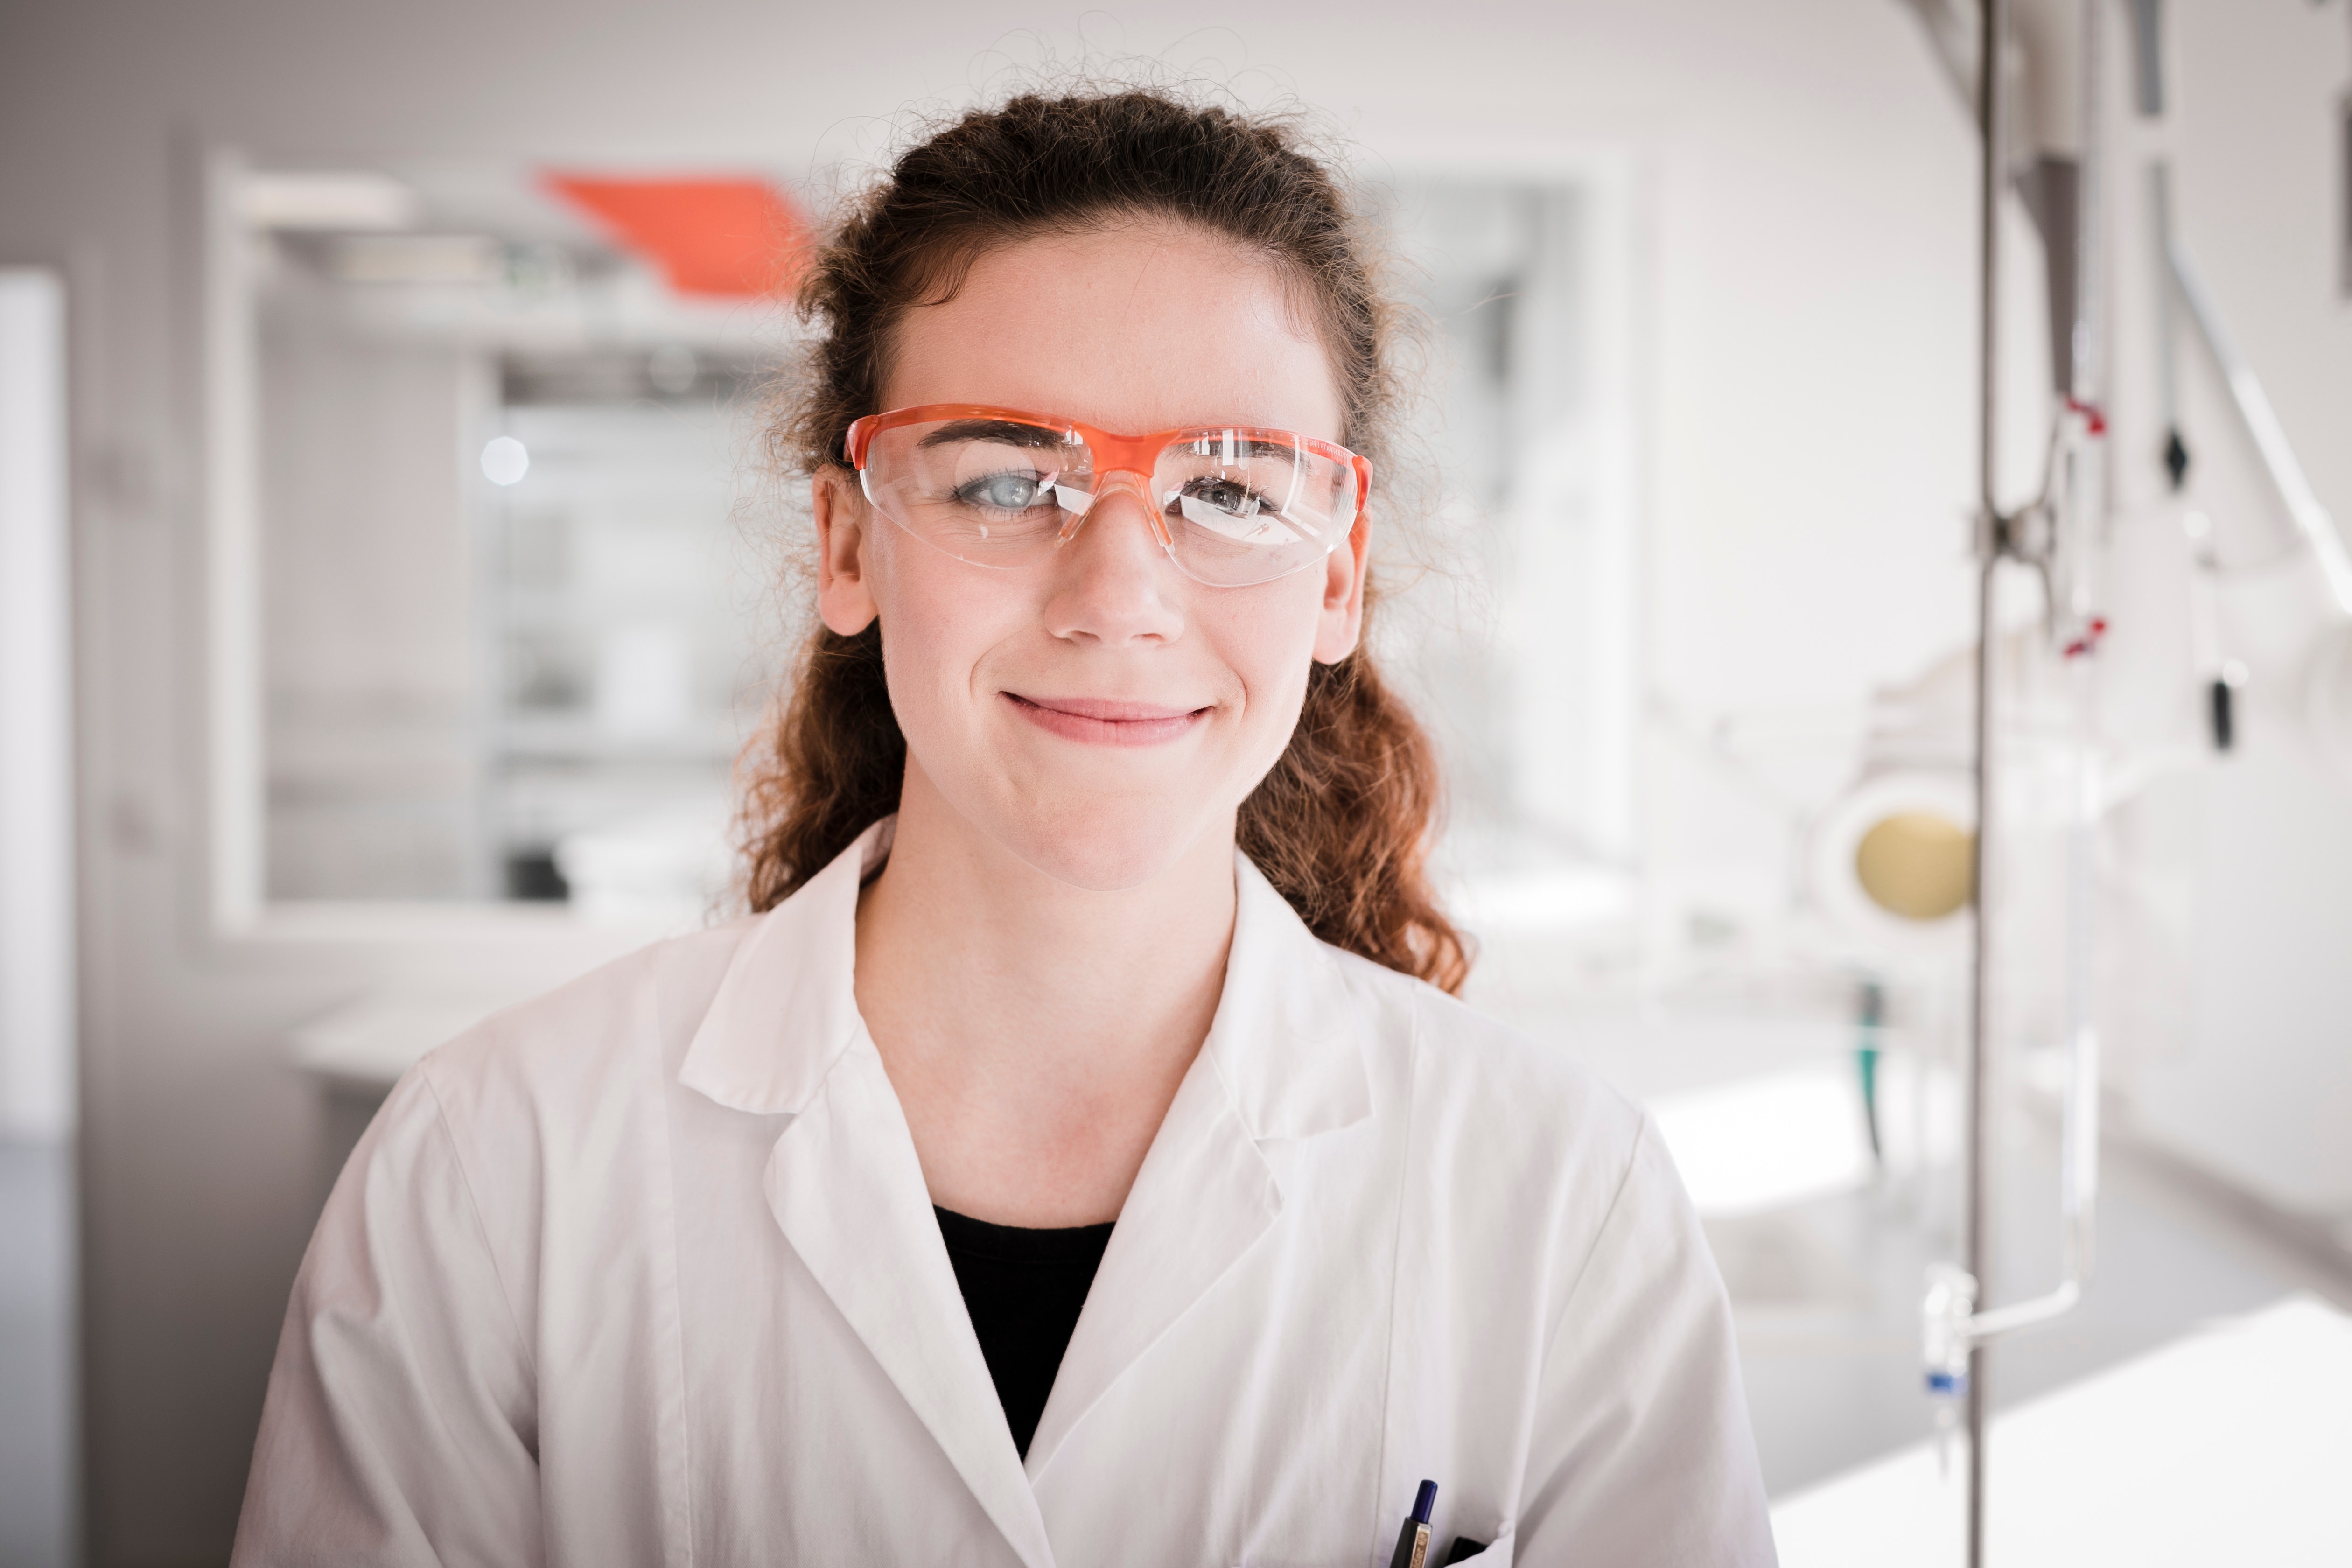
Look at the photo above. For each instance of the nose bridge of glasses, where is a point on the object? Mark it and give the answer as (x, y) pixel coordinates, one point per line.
(1119, 463)
(1082, 504)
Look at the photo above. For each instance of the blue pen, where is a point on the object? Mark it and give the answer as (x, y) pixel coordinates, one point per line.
(1413, 1541)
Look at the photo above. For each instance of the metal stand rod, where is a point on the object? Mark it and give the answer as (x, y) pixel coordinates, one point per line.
(1979, 1152)
(1992, 110)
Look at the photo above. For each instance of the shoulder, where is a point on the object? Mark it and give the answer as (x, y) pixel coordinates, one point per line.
(549, 1118)
(1467, 1062)
(1525, 1177)
(1499, 1123)
(569, 1051)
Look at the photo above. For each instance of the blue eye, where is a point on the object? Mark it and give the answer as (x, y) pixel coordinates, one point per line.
(1004, 493)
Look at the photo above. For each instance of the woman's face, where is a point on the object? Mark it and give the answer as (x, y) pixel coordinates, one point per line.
(1098, 712)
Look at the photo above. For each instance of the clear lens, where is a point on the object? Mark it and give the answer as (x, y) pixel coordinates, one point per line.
(1244, 507)
(1238, 507)
(990, 491)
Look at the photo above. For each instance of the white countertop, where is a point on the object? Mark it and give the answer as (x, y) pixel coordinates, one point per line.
(2233, 1445)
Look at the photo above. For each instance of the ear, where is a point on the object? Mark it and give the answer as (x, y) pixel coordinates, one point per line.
(1341, 618)
(844, 586)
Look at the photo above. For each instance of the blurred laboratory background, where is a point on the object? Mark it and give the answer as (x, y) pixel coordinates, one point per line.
(392, 569)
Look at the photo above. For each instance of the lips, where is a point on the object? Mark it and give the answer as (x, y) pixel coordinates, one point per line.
(1106, 722)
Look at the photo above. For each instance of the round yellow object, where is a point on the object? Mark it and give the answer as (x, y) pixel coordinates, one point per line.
(1916, 864)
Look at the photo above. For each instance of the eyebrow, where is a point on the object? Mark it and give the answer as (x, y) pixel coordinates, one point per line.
(1004, 432)
(1247, 448)
(1020, 433)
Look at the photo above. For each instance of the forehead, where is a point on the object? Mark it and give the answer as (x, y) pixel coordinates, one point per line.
(1144, 327)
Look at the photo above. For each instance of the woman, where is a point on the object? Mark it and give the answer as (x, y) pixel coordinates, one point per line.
(1079, 1160)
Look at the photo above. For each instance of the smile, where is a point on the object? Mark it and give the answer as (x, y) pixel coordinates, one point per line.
(1106, 724)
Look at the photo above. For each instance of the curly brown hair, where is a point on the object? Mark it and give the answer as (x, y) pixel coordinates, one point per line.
(1342, 823)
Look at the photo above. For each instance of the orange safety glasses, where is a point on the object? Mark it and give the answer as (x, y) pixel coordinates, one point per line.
(999, 487)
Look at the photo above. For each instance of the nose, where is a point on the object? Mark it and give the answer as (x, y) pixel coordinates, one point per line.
(1113, 583)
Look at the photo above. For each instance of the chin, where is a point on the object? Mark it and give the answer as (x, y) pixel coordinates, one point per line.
(1102, 845)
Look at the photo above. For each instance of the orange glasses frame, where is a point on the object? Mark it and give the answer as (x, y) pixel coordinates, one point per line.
(1113, 454)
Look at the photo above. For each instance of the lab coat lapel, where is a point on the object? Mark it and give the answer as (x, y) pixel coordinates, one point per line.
(845, 1183)
(782, 1037)
(1284, 1061)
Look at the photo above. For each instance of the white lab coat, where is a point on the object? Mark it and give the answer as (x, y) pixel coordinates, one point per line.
(645, 1272)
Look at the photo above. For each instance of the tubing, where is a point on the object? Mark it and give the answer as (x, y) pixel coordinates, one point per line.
(2261, 424)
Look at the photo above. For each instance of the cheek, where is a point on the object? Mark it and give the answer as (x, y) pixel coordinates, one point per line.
(938, 622)
(1267, 636)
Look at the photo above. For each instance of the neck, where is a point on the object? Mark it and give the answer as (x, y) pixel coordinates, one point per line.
(1036, 1032)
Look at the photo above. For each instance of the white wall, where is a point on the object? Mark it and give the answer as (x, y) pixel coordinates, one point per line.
(1806, 179)
(36, 961)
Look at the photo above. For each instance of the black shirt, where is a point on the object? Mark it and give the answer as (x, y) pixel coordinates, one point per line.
(1023, 1289)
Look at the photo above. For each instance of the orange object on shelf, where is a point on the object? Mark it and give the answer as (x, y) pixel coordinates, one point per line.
(723, 237)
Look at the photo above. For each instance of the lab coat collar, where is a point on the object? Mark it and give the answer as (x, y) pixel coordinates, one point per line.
(1287, 1039)
(787, 1007)
(1284, 1042)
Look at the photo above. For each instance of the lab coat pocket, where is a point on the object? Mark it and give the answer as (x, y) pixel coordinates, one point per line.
(1496, 1554)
